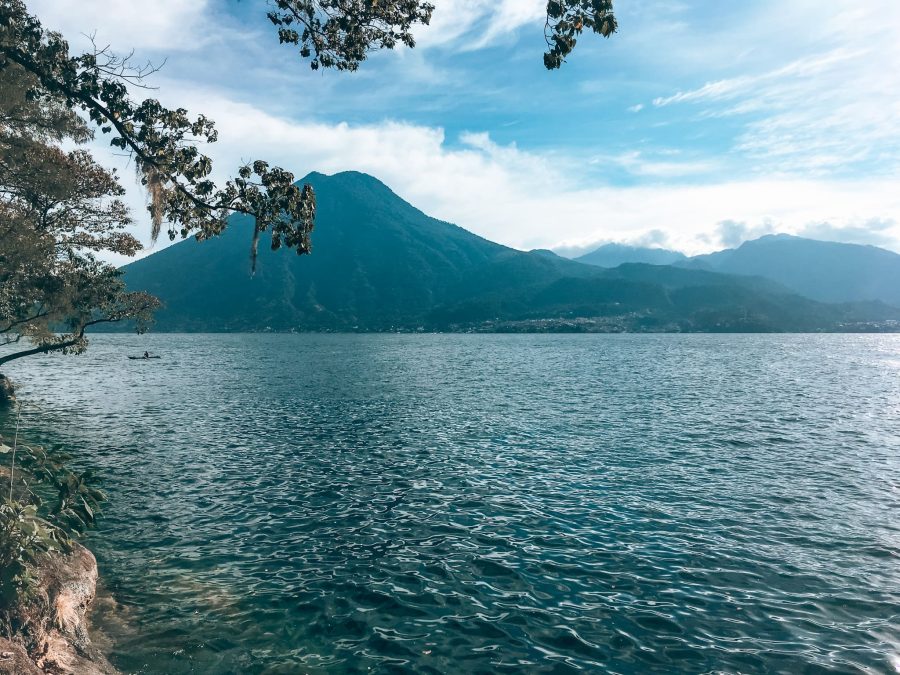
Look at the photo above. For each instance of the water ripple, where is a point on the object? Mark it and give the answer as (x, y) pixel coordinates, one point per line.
(442, 504)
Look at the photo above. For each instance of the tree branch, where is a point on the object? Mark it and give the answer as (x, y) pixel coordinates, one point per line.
(19, 322)
(58, 346)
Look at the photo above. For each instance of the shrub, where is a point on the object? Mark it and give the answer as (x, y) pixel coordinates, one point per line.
(28, 528)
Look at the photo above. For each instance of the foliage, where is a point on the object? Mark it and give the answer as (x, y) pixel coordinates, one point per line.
(23, 537)
(339, 34)
(78, 503)
(567, 19)
(28, 528)
(58, 210)
(163, 143)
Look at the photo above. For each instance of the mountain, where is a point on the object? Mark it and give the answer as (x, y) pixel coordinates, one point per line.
(823, 270)
(545, 252)
(613, 255)
(379, 263)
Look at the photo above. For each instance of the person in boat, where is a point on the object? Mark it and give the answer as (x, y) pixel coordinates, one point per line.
(146, 355)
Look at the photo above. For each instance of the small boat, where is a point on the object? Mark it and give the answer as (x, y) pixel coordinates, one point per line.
(143, 358)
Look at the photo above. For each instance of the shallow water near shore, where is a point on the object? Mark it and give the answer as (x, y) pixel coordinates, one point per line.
(488, 503)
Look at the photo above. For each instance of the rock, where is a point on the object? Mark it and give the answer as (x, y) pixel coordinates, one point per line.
(7, 391)
(71, 583)
(14, 660)
(45, 630)
(53, 627)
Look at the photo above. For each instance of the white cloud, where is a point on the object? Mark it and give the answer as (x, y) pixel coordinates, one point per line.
(181, 25)
(874, 232)
(733, 233)
(730, 89)
(640, 164)
(803, 118)
(482, 22)
(127, 24)
(835, 108)
(529, 200)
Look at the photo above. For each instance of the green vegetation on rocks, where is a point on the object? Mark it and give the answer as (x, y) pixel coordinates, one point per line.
(47, 580)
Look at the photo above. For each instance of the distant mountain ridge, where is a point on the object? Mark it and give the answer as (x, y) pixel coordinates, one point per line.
(613, 255)
(822, 270)
(380, 264)
(827, 271)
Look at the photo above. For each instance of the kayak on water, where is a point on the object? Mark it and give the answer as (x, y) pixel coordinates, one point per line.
(143, 358)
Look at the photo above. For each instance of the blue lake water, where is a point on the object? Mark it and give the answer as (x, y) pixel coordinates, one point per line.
(489, 503)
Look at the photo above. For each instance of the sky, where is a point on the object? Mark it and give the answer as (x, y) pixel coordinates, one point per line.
(699, 125)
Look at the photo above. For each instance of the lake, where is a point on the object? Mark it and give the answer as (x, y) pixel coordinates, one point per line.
(488, 503)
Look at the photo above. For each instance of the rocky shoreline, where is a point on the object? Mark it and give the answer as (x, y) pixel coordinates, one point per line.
(46, 630)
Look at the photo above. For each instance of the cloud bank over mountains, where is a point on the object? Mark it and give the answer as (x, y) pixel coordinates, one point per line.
(693, 127)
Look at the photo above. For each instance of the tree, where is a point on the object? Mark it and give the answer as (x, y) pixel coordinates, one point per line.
(568, 19)
(60, 209)
(57, 211)
(340, 33)
(162, 142)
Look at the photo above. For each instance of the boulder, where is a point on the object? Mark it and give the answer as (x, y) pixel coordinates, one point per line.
(7, 391)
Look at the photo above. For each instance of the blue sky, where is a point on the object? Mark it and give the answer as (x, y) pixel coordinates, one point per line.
(700, 124)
